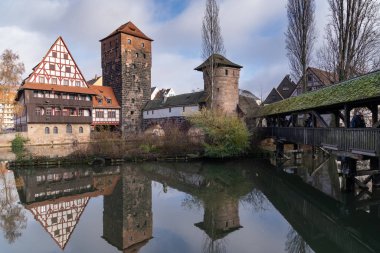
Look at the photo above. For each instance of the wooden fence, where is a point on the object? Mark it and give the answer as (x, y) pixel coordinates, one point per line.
(363, 141)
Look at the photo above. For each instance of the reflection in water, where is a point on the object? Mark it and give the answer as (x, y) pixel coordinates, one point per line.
(219, 193)
(127, 217)
(12, 215)
(57, 197)
(295, 243)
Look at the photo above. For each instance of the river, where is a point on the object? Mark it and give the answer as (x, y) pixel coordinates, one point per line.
(231, 206)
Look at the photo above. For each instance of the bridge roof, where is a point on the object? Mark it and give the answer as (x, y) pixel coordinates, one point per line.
(359, 89)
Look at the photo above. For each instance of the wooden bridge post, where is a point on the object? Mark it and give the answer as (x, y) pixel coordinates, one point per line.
(375, 165)
(279, 149)
(349, 173)
(347, 116)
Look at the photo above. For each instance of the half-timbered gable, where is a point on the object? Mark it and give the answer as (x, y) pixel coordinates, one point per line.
(58, 67)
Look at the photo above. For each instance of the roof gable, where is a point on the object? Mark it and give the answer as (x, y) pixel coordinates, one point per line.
(219, 60)
(58, 67)
(130, 29)
(107, 96)
(274, 96)
(286, 87)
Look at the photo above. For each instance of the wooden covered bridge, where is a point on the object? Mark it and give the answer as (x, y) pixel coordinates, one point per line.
(323, 119)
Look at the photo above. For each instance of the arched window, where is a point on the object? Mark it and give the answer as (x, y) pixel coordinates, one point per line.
(55, 130)
(69, 129)
(81, 130)
(47, 130)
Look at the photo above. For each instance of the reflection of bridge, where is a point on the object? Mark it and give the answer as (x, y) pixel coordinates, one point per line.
(323, 222)
(328, 125)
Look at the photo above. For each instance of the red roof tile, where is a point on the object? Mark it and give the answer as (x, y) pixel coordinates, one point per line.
(104, 92)
(131, 29)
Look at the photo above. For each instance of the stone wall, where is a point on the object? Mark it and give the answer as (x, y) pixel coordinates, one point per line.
(165, 123)
(37, 136)
(225, 92)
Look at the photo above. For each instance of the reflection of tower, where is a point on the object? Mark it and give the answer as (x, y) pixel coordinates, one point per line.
(221, 216)
(127, 217)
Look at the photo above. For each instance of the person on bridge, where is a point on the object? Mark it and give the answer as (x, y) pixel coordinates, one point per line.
(358, 121)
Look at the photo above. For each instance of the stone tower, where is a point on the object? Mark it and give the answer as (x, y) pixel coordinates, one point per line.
(126, 66)
(224, 95)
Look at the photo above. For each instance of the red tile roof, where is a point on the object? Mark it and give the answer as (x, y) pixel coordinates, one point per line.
(53, 87)
(104, 92)
(131, 29)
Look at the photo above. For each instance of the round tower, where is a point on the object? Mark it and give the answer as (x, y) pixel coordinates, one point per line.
(222, 95)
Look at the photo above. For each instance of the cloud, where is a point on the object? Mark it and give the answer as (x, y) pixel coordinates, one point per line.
(253, 32)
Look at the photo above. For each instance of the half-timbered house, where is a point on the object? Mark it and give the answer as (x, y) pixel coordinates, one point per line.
(106, 109)
(56, 100)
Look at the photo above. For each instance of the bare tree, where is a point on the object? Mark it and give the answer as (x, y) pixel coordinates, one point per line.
(11, 70)
(352, 38)
(300, 37)
(212, 41)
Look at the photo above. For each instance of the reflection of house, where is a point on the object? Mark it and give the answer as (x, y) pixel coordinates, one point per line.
(316, 79)
(283, 91)
(57, 197)
(127, 216)
(106, 109)
(56, 100)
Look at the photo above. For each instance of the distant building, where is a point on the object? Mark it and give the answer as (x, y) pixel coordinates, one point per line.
(55, 99)
(163, 94)
(106, 109)
(316, 79)
(7, 107)
(248, 94)
(97, 81)
(284, 90)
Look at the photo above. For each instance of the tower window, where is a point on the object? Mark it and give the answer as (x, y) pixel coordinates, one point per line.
(132, 112)
(47, 130)
(129, 41)
(144, 55)
(81, 130)
(142, 44)
(137, 55)
(226, 72)
(69, 129)
(133, 100)
(55, 130)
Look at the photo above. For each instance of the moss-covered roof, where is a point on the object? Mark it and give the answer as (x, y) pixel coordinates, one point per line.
(356, 89)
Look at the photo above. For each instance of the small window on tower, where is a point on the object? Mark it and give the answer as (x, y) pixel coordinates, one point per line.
(68, 69)
(54, 54)
(144, 55)
(226, 72)
(132, 112)
(142, 44)
(137, 55)
(133, 100)
(129, 41)
(52, 67)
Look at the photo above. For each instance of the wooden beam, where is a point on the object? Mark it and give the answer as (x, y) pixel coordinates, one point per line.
(319, 118)
(347, 115)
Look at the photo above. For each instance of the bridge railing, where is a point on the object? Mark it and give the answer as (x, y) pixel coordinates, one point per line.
(357, 140)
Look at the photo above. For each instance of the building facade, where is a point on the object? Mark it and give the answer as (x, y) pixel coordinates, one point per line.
(106, 109)
(126, 65)
(7, 107)
(55, 101)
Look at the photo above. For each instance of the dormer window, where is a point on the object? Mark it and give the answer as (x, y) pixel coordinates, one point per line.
(100, 101)
(109, 101)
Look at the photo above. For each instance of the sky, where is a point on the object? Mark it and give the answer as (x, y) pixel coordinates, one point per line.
(253, 33)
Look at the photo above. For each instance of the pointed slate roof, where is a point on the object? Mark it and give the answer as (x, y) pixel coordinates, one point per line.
(130, 29)
(274, 96)
(219, 61)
